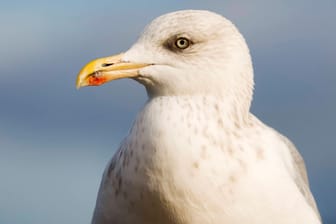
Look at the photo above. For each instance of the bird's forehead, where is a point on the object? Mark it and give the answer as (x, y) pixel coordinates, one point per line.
(187, 21)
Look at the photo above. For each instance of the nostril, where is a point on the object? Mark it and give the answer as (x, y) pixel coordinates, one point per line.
(107, 64)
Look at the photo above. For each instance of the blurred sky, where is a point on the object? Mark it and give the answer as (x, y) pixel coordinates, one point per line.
(55, 141)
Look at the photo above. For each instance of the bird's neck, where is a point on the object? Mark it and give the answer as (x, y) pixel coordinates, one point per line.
(228, 109)
(217, 105)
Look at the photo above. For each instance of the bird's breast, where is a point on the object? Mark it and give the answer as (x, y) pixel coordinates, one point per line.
(188, 161)
(177, 150)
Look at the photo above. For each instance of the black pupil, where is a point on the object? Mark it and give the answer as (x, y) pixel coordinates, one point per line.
(182, 43)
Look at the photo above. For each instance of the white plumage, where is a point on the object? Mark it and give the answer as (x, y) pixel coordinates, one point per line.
(195, 154)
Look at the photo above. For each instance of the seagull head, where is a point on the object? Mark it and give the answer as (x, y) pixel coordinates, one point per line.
(189, 52)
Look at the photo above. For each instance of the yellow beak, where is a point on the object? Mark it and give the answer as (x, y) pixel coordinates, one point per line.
(103, 70)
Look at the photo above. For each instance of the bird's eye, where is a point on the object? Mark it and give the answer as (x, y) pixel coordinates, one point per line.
(182, 43)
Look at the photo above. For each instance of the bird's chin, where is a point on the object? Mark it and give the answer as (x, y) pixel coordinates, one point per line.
(149, 76)
(150, 81)
(145, 80)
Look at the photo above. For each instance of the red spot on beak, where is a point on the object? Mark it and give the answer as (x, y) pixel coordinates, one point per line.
(96, 81)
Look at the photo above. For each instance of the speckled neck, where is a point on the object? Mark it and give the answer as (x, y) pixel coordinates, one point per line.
(225, 110)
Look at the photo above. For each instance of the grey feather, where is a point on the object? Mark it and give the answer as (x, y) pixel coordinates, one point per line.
(301, 176)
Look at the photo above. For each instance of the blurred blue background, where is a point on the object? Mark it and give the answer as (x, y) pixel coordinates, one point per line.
(55, 141)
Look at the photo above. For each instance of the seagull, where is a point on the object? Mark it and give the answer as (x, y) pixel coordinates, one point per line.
(195, 153)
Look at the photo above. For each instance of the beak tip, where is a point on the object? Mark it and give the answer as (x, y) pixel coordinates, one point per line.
(80, 82)
(78, 85)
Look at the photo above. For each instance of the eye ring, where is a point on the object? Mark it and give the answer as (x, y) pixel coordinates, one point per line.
(182, 43)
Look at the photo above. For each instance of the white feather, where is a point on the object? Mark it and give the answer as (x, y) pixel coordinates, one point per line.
(195, 153)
